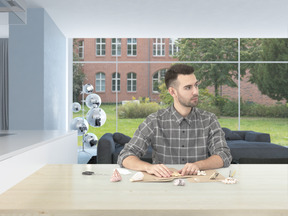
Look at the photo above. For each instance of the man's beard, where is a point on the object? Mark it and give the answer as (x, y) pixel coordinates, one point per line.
(189, 103)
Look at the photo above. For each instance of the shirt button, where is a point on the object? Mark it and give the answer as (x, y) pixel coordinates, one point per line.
(183, 159)
(183, 145)
(183, 131)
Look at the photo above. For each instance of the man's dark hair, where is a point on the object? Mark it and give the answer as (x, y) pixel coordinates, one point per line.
(172, 73)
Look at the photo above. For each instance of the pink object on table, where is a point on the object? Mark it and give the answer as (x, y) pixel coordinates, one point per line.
(116, 176)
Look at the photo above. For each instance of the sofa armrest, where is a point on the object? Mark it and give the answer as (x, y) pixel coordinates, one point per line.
(105, 149)
(257, 137)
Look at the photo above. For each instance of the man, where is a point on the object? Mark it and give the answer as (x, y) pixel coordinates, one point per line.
(180, 134)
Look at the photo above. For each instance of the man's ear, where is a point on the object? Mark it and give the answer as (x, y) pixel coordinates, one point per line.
(171, 91)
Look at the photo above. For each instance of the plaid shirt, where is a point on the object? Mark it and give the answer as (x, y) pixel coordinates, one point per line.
(178, 140)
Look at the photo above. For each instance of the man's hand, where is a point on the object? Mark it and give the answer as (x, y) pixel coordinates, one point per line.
(189, 169)
(159, 170)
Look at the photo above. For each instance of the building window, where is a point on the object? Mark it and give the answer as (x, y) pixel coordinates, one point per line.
(158, 47)
(157, 79)
(100, 46)
(131, 46)
(81, 49)
(131, 82)
(116, 46)
(100, 82)
(173, 48)
(114, 78)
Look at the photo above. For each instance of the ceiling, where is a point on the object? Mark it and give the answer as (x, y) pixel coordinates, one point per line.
(167, 18)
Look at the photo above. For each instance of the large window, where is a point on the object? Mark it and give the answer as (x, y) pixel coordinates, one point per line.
(131, 82)
(116, 46)
(100, 46)
(158, 47)
(115, 82)
(131, 46)
(242, 80)
(100, 82)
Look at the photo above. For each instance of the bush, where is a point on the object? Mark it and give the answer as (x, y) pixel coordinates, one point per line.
(136, 110)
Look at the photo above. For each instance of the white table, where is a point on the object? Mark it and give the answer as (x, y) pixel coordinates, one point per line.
(63, 190)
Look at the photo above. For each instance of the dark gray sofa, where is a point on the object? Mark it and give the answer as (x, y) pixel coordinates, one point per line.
(246, 147)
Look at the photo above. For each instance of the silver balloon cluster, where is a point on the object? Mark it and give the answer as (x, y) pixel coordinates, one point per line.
(96, 117)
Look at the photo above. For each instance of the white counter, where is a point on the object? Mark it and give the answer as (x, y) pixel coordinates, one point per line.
(24, 152)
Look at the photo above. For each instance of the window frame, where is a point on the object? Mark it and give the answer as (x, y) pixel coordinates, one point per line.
(102, 46)
(116, 46)
(160, 76)
(81, 49)
(133, 82)
(101, 80)
(173, 49)
(132, 47)
(159, 47)
(113, 82)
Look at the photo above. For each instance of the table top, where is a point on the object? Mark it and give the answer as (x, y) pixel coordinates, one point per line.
(53, 189)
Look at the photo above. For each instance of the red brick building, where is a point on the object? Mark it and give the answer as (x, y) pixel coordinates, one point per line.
(140, 63)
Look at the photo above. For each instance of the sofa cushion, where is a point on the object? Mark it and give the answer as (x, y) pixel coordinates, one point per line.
(244, 149)
(121, 139)
(230, 135)
(257, 137)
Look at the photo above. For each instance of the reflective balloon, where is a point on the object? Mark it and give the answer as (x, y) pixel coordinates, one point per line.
(80, 124)
(90, 140)
(76, 107)
(96, 117)
(88, 88)
(93, 100)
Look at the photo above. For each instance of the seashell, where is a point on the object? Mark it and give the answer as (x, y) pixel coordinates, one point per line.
(201, 173)
(139, 176)
(179, 182)
(116, 176)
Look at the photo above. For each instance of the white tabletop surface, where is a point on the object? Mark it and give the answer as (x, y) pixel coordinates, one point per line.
(20, 141)
(63, 190)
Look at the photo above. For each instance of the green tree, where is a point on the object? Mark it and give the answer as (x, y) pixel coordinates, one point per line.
(78, 74)
(272, 78)
(218, 49)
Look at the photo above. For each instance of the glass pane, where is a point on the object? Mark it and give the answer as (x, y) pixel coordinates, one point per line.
(264, 100)
(207, 49)
(272, 49)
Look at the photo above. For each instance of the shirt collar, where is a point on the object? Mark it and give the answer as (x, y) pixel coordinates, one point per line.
(180, 118)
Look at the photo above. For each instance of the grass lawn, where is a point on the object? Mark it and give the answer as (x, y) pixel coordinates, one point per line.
(276, 127)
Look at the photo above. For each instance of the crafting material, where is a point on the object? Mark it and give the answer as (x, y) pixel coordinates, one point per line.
(201, 173)
(179, 182)
(230, 180)
(123, 171)
(116, 176)
(204, 179)
(139, 176)
(175, 174)
(214, 175)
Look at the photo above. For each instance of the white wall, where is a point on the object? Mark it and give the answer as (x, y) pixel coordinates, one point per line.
(37, 74)
(54, 76)
(4, 27)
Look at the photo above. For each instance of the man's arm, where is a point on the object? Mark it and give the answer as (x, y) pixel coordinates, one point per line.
(134, 163)
(213, 162)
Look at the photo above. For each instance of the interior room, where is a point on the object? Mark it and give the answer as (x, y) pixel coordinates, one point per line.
(36, 60)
